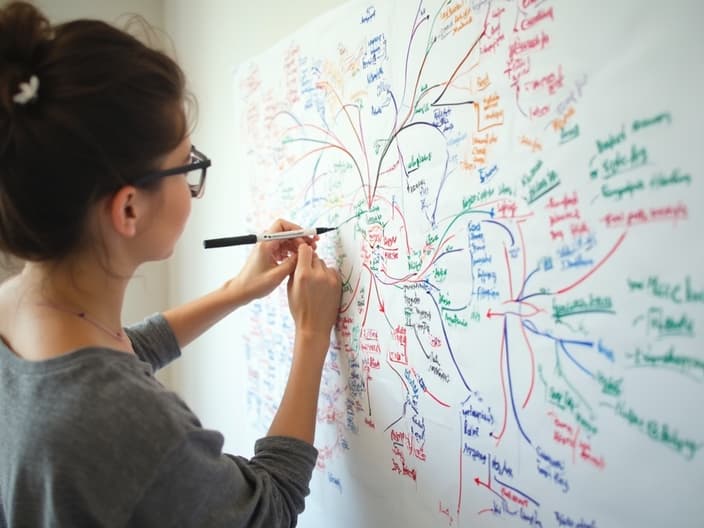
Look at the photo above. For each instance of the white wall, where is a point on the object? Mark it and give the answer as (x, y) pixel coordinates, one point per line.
(211, 38)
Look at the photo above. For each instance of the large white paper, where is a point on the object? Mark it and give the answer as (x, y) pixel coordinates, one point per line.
(517, 188)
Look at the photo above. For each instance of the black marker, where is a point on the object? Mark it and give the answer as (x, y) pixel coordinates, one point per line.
(262, 237)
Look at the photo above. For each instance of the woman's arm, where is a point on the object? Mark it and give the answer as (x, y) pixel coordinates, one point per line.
(314, 293)
(267, 266)
(191, 319)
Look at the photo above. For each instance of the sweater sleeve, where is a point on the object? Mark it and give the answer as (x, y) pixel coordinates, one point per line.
(199, 486)
(154, 341)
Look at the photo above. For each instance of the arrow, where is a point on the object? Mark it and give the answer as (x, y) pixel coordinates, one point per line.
(479, 482)
(378, 296)
(489, 313)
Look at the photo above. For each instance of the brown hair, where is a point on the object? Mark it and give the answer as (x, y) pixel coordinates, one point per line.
(108, 108)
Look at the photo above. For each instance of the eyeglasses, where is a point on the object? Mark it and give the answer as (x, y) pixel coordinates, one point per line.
(195, 173)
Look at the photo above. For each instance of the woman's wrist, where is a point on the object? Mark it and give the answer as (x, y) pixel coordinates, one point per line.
(311, 337)
(235, 293)
(309, 345)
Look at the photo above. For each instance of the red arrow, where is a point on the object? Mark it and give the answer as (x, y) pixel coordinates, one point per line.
(378, 296)
(479, 482)
(489, 313)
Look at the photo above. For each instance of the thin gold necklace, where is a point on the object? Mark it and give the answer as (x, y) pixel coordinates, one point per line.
(119, 335)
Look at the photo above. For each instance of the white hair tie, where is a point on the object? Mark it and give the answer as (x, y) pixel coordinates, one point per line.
(28, 91)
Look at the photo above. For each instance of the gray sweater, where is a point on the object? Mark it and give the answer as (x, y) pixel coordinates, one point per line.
(91, 438)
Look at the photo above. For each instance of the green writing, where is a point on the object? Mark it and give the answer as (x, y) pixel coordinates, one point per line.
(592, 304)
(564, 400)
(569, 134)
(609, 386)
(610, 142)
(417, 160)
(361, 208)
(666, 325)
(620, 162)
(669, 359)
(455, 320)
(674, 178)
(659, 432)
(618, 192)
(375, 219)
(414, 261)
(380, 144)
(527, 178)
(422, 109)
(440, 274)
(586, 424)
(480, 196)
(544, 186)
(505, 189)
(680, 292)
(664, 117)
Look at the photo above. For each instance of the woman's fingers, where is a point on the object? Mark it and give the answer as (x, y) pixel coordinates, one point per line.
(282, 248)
(305, 257)
(314, 292)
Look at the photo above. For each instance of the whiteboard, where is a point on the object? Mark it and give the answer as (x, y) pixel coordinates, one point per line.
(517, 188)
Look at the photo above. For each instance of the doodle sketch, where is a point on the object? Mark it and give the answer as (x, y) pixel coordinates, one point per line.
(517, 189)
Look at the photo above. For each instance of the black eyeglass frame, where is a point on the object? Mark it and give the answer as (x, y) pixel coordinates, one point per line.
(202, 163)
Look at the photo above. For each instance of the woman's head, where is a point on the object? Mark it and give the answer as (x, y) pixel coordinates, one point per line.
(107, 111)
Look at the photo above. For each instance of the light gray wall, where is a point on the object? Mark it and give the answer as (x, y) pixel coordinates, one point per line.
(110, 11)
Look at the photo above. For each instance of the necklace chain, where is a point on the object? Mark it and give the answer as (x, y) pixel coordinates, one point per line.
(119, 335)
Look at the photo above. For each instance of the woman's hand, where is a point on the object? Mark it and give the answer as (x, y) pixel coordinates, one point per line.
(314, 293)
(269, 263)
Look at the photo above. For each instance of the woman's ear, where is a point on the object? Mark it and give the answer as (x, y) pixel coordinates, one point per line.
(124, 210)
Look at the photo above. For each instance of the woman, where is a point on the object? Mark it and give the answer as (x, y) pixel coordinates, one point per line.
(96, 176)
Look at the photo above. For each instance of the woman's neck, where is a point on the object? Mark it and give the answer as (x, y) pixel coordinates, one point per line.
(50, 309)
(80, 285)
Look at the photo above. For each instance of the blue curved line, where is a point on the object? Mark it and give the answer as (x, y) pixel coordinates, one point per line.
(445, 175)
(427, 283)
(408, 49)
(510, 385)
(534, 295)
(518, 491)
(530, 325)
(513, 240)
(532, 328)
(581, 367)
(447, 340)
(393, 100)
(447, 252)
(455, 309)
(525, 282)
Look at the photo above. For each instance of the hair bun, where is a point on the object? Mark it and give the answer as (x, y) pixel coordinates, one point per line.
(24, 35)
